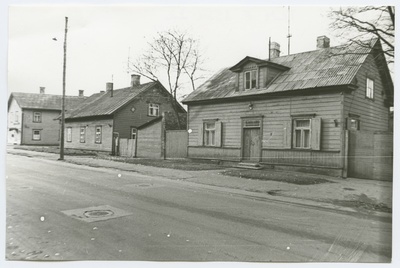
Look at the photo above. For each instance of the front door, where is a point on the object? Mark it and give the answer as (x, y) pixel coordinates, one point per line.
(251, 144)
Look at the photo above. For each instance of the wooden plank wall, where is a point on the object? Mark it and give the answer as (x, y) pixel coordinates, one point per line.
(275, 111)
(127, 147)
(176, 144)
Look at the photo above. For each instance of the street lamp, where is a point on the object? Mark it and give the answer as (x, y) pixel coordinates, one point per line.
(63, 95)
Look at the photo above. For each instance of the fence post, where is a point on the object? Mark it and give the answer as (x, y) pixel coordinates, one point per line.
(346, 154)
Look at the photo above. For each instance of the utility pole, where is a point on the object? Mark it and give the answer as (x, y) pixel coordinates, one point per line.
(63, 95)
(289, 34)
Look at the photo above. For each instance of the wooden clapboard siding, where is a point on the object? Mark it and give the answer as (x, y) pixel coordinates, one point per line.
(124, 119)
(302, 157)
(374, 116)
(90, 144)
(275, 112)
(228, 154)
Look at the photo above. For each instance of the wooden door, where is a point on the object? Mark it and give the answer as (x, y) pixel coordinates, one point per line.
(251, 144)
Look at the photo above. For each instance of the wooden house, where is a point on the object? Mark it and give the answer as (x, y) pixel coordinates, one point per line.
(32, 117)
(305, 111)
(106, 117)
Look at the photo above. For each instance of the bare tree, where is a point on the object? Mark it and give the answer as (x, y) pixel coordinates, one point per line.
(171, 55)
(358, 25)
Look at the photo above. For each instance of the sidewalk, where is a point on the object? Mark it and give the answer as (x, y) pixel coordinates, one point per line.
(353, 195)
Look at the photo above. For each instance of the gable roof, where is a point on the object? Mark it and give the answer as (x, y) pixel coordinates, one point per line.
(44, 101)
(334, 66)
(102, 104)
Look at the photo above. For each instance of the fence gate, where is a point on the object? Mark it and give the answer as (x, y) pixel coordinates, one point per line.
(127, 147)
(176, 144)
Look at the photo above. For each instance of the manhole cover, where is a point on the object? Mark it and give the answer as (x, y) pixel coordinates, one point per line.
(98, 213)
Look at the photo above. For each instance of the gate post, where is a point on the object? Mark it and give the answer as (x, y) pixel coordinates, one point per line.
(163, 134)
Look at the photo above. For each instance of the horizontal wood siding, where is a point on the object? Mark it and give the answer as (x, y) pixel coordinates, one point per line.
(228, 154)
(304, 158)
(49, 127)
(374, 116)
(90, 144)
(275, 113)
(149, 141)
(125, 118)
(176, 143)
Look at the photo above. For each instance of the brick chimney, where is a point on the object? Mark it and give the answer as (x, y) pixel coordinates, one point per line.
(110, 87)
(323, 42)
(42, 90)
(80, 93)
(274, 50)
(135, 80)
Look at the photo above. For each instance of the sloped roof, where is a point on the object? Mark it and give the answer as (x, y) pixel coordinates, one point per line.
(103, 104)
(44, 101)
(326, 67)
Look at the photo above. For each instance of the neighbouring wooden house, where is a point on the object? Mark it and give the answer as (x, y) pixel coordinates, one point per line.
(325, 110)
(107, 117)
(32, 117)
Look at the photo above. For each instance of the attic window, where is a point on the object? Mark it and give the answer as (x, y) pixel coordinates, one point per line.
(250, 79)
(370, 89)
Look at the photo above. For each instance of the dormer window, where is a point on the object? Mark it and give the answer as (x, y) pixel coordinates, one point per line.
(250, 79)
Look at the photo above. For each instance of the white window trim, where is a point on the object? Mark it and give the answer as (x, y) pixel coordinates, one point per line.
(84, 134)
(154, 109)
(39, 117)
(212, 131)
(100, 134)
(251, 79)
(39, 135)
(370, 89)
(302, 134)
(69, 134)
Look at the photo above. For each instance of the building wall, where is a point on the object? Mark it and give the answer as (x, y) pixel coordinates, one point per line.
(14, 123)
(276, 114)
(49, 127)
(125, 118)
(89, 144)
(149, 141)
(374, 116)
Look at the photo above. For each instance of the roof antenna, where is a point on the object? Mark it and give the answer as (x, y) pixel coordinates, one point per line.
(269, 48)
(289, 35)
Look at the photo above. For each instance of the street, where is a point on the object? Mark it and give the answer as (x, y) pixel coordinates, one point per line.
(61, 211)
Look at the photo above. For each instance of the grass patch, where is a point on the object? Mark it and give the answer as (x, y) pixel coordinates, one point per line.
(271, 175)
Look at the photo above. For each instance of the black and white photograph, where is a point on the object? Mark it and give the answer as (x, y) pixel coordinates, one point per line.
(205, 134)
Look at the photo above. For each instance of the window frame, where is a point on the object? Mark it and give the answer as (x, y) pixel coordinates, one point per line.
(207, 132)
(39, 118)
(69, 134)
(98, 137)
(370, 88)
(131, 133)
(251, 79)
(16, 117)
(153, 109)
(82, 136)
(33, 135)
(302, 134)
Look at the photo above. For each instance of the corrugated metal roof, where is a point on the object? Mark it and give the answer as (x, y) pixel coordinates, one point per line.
(45, 101)
(319, 68)
(103, 104)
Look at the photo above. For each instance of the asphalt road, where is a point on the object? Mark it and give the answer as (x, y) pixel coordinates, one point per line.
(61, 211)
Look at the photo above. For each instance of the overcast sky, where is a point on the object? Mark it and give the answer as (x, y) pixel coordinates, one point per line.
(100, 39)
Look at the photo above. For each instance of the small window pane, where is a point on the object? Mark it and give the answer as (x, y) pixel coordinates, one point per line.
(247, 80)
(306, 138)
(298, 138)
(253, 79)
(303, 123)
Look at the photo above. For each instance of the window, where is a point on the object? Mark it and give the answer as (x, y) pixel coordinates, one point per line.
(82, 135)
(69, 134)
(98, 134)
(133, 133)
(209, 133)
(36, 135)
(11, 117)
(302, 129)
(16, 118)
(370, 89)
(154, 109)
(250, 79)
(37, 117)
